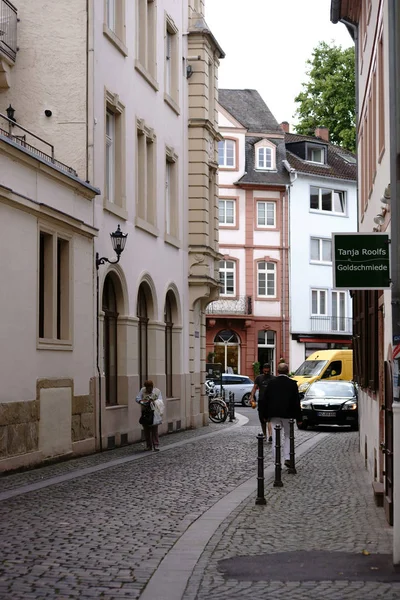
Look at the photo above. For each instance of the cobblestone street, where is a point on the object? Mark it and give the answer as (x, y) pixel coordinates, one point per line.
(129, 524)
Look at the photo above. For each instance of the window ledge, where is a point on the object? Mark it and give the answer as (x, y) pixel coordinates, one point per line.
(114, 39)
(49, 344)
(267, 299)
(328, 213)
(172, 241)
(147, 76)
(116, 210)
(146, 226)
(320, 262)
(172, 104)
(116, 407)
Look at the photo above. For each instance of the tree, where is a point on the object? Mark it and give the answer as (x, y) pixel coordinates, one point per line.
(328, 98)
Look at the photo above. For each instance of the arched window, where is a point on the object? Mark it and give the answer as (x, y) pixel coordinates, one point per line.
(227, 351)
(142, 337)
(168, 344)
(110, 341)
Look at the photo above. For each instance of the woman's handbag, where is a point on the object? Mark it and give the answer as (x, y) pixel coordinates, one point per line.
(147, 417)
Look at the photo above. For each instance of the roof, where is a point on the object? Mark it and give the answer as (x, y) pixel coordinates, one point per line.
(258, 177)
(340, 162)
(250, 110)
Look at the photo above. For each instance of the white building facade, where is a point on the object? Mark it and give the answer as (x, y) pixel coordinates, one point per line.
(133, 110)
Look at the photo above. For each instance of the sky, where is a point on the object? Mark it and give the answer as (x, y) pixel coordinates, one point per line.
(267, 44)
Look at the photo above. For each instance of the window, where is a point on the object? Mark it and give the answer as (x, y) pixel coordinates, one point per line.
(327, 200)
(227, 154)
(171, 194)
(316, 154)
(110, 341)
(226, 212)
(110, 156)
(142, 335)
(264, 158)
(339, 311)
(168, 344)
(146, 36)
(54, 287)
(321, 250)
(146, 176)
(365, 338)
(318, 302)
(266, 214)
(227, 277)
(111, 14)
(381, 99)
(227, 351)
(266, 279)
(266, 348)
(114, 161)
(171, 63)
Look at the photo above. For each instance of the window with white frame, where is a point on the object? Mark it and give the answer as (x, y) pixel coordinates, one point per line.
(319, 302)
(114, 21)
(316, 154)
(171, 194)
(264, 158)
(339, 311)
(226, 211)
(111, 14)
(227, 277)
(171, 62)
(110, 156)
(146, 36)
(328, 200)
(266, 214)
(266, 279)
(227, 154)
(321, 250)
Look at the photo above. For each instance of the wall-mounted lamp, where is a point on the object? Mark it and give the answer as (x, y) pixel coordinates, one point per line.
(189, 71)
(379, 219)
(386, 195)
(10, 113)
(118, 241)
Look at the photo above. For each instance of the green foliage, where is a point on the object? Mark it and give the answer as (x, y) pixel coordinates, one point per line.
(256, 368)
(328, 98)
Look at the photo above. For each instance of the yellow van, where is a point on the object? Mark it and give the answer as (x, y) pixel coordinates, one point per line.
(325, 364)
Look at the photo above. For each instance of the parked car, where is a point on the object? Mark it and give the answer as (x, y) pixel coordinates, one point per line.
(240, 385)
(330, 403)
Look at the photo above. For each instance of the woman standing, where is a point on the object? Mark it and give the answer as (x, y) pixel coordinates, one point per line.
(152, 406)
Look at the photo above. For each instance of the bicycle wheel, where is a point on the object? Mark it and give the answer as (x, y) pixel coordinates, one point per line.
(217, 412)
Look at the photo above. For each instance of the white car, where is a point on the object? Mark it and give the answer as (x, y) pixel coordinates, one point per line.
(240, 385)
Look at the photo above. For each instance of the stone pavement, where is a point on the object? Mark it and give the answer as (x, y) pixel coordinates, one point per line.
(172, 525)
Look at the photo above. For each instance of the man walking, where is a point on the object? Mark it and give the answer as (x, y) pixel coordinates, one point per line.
(282, 402)
(261, 382)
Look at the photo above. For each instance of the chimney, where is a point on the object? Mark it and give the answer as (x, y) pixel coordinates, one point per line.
(285, 126)
(323, 133)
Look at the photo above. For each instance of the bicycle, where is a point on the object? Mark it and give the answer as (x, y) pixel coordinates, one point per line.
(217, 407)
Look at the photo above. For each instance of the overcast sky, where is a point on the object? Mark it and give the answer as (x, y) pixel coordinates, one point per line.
(267, 43)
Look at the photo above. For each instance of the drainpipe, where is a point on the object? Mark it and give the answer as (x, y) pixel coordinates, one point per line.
(394, 113)
(98, 359)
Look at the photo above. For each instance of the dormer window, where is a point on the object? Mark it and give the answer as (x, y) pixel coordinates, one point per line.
(316, 154)
(265, 156)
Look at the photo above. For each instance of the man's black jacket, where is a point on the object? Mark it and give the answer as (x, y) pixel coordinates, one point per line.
(282, 399)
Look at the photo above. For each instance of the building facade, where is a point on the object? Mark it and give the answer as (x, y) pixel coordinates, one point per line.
(375, 28)
(134, 113)
(322, 200)
(249, 323)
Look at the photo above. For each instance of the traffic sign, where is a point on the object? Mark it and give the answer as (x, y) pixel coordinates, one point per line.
(361, 261)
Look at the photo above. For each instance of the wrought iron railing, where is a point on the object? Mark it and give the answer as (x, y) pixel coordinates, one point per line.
(331, 324)
(242, 305)
(42, 149)
(8, 29)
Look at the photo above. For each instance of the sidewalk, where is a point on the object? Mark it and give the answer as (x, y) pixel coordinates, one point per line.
(183, 524)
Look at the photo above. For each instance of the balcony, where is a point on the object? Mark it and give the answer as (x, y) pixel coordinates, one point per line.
(242, 305)
(32, 143)
(8, 30)
(330, 324)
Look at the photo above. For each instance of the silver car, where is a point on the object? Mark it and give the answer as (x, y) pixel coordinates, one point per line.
(240, 385)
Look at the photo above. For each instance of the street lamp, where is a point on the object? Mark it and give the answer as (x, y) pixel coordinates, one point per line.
(118, 241)
(10, 113)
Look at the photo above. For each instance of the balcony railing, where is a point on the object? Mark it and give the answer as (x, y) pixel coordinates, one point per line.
(8, 29)
(12, 130)
(236, 306)
(331, 324)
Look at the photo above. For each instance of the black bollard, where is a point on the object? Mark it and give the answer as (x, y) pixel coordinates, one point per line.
(231, 407)
(278, 465)
(292, 468)
(260, 476)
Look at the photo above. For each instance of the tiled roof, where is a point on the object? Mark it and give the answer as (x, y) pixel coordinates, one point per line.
(250, 110)
(259, 177)
(337, 166)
